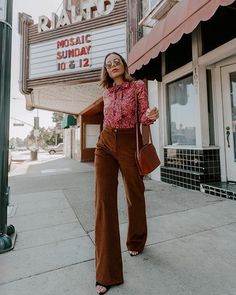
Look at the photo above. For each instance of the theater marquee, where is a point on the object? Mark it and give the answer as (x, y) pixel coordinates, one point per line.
(75, 53)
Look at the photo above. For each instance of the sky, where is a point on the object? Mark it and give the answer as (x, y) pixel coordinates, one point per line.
(18, 105)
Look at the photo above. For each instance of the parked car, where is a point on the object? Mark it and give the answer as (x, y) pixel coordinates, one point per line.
(56, 149)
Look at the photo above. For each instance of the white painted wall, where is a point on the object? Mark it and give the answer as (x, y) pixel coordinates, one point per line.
(92, 132)
(77, 144)
(72, 143)
(67, 142)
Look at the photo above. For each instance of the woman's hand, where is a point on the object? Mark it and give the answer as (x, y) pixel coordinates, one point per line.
(152, 114)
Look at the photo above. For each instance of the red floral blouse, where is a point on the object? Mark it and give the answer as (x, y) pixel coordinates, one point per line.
(120, 105)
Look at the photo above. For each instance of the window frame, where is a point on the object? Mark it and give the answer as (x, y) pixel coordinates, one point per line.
(168, 78)
(168, 113)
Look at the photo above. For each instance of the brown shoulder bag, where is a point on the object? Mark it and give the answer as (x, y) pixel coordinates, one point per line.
(146, 156)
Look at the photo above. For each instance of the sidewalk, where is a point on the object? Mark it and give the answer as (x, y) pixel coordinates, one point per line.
(191, 247)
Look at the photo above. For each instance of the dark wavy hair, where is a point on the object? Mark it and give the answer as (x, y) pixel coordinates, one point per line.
(106, 80)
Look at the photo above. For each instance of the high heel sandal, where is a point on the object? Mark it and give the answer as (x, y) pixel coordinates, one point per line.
(138, 252)
(107, 288)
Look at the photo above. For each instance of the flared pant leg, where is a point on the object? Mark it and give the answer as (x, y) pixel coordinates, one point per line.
(134, 188)
(109, 269)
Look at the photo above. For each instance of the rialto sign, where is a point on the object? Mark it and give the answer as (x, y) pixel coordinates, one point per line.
(75, 11)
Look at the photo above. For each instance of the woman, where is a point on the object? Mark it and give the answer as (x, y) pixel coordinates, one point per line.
(115, 150)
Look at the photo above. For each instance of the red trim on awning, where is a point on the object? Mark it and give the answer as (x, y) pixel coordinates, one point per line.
(183, 18)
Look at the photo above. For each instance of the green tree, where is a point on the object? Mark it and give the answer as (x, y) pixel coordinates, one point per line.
(46, 137)
(15, 142)
(49, 136)
(57, 118)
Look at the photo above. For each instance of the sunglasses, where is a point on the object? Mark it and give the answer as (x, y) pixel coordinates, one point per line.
(116, 62)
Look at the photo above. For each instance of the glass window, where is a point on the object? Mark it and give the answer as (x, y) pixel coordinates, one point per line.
(182, 112)
(219, 29)
(183, 45)
(153, 3)
(145, 7)
(148, 5)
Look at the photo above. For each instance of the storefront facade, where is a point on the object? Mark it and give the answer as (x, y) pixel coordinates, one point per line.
(62, 57)
(188, 56)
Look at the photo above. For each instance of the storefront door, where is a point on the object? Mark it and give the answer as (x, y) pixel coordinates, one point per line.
(228, 75)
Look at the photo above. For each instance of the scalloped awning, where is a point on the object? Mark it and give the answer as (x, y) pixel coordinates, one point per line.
(183, 18)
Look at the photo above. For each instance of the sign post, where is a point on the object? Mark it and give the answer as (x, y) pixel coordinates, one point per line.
(7, 233)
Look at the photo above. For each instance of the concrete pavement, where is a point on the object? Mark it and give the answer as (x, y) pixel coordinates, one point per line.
(191, 247)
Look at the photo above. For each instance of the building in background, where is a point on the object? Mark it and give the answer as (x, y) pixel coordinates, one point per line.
(186, 51)
(188, 56)
(62, 57)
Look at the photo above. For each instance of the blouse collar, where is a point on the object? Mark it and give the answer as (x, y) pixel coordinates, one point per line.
(122, 86)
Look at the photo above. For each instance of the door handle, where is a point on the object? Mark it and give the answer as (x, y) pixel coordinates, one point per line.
(227, 135)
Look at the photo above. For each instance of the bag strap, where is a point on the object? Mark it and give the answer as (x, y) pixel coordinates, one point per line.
(150, 133)
(137, 123)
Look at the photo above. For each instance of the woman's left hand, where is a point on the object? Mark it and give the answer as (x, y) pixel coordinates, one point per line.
(152, 114)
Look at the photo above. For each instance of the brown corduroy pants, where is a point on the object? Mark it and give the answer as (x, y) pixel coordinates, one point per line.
(116, 150)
